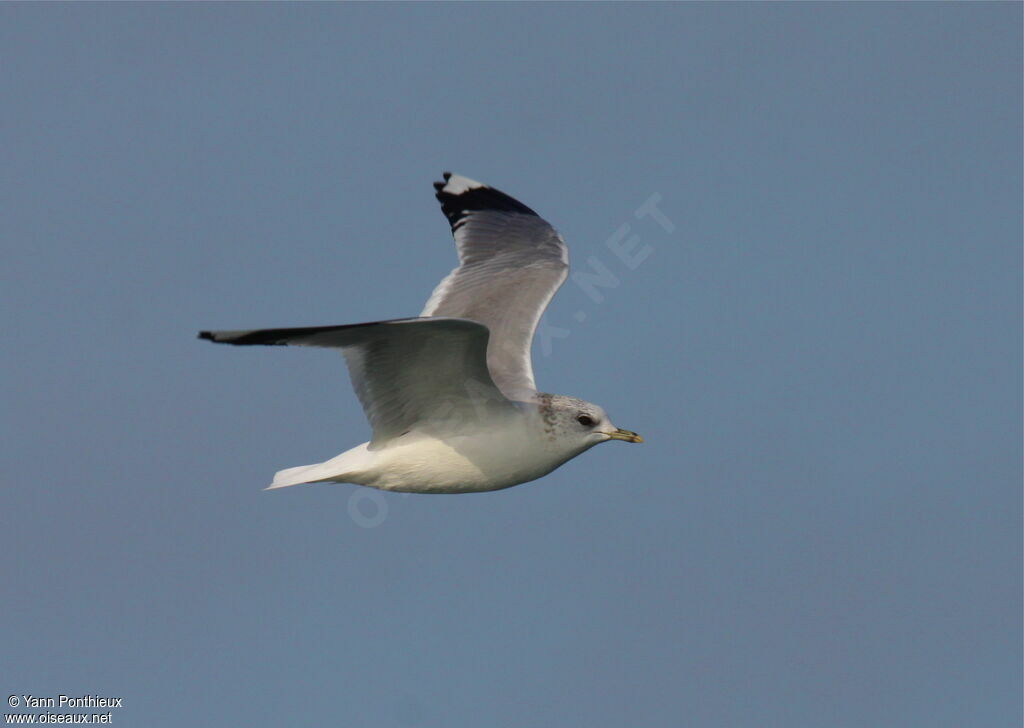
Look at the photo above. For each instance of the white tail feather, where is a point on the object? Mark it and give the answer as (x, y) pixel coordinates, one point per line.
(338, 469)
(295, 476)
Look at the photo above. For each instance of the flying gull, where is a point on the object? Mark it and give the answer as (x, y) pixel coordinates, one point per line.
(450, 395)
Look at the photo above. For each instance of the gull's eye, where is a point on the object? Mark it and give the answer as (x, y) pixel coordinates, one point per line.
(585, 420)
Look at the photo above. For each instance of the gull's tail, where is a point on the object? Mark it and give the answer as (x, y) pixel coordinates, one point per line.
(297, 476)
(342, 468)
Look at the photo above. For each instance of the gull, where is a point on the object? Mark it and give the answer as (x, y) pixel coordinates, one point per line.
(450, 395)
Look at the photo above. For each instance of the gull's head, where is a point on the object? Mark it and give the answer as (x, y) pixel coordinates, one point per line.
(583, 423)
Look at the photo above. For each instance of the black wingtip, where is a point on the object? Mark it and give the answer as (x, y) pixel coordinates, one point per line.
(206, 335)
(438, 186)
(457, 206)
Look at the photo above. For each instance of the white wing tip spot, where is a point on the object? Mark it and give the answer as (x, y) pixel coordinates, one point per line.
(456, 184)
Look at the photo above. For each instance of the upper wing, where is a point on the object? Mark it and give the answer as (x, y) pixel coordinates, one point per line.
(407, 373)
(511, 264)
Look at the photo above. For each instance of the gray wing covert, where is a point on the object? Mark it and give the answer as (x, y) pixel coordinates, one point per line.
(407, 373)
(511, 264)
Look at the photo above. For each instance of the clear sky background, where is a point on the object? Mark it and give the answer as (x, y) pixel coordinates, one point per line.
(822, 348)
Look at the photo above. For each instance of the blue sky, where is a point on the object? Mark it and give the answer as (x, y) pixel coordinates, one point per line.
(822, 348)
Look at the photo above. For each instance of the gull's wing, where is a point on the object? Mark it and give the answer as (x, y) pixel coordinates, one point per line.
(511, 264)
(408, 373)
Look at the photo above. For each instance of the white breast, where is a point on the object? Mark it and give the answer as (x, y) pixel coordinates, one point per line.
(462, 464)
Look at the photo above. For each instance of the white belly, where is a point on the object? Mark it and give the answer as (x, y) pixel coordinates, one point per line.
(457, 465)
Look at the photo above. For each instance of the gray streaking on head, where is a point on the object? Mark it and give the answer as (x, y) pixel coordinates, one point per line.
(450, 395)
